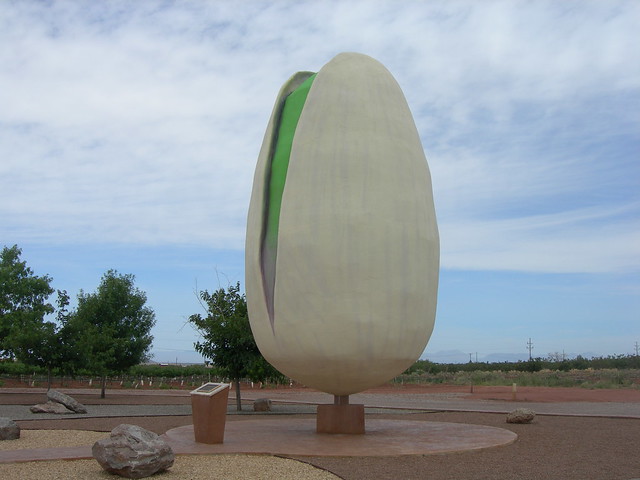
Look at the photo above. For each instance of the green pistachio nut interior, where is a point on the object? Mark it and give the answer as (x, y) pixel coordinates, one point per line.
(277, 176)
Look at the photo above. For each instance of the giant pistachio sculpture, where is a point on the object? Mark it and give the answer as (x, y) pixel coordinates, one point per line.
(342, 249)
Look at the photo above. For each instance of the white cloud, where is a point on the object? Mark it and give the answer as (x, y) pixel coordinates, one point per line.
(138, 123)
(584, 241)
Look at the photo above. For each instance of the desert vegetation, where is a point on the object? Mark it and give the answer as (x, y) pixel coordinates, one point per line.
(616, 371)
(609, 372)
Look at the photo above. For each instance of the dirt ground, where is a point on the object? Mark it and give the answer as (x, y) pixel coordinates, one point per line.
(553, 447)
(523, 394)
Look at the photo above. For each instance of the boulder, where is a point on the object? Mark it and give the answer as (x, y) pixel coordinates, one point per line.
(67, 401)
(51, 407)
(9, 430)
(521, 415)
(262, 405)
(133, 452)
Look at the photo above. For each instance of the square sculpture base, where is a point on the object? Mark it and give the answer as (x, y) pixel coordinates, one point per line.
(348, 418)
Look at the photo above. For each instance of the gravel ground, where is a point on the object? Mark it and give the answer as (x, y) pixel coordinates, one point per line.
(185, 467)
(194, 467)
(52, 438)
(553, 447)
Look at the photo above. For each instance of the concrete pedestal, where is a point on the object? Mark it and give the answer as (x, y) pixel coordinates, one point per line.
(209, 410)
(341, 417)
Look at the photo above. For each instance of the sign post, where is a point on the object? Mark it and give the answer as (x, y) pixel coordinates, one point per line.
(209, 410)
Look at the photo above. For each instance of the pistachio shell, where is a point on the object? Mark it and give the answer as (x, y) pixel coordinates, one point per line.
(356, 269)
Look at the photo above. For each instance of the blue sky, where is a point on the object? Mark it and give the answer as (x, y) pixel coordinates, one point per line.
(129, 133)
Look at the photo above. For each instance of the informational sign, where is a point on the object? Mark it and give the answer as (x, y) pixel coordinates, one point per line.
(210, 389)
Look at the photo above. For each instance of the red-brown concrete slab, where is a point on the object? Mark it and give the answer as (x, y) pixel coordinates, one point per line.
(382, 438)
(297, 436)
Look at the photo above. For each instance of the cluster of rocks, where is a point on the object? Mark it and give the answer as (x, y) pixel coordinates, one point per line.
(133, 452)
(9, 430)
(60, 404)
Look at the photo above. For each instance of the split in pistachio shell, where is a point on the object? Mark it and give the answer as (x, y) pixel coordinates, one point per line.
(342, 250)
(283, 139)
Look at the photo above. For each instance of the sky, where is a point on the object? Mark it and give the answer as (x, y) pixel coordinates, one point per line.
(129, 133)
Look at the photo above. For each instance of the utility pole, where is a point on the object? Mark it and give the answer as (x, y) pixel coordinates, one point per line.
(470, 357)
(637, 347)
(530, 347)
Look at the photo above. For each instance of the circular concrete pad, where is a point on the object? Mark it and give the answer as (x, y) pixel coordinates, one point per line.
(382, 438)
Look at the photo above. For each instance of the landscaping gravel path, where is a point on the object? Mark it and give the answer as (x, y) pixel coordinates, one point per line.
(571, 441)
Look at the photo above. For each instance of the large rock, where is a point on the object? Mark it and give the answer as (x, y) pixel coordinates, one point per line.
(67, 401)
(262, 405)
(521, 415)
(133, 452)
(9, 430)
(51, 407)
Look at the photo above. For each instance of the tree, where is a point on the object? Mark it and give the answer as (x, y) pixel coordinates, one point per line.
(556, 357)
(43, 344)
(23, 299)
(111, 329)
(227, 338)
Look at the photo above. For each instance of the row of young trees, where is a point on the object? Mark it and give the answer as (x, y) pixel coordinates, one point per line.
(108, 332)
(617, 362)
